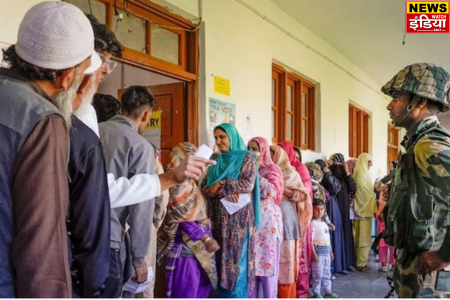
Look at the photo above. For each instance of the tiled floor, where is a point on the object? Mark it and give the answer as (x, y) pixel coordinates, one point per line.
(363, 285)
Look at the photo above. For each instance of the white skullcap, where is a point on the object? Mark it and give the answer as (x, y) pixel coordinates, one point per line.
(96, 63)
(55, 35)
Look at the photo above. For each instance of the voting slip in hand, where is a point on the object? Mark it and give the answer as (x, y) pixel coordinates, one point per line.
(136, 288)
(204, 152)
(232, 207)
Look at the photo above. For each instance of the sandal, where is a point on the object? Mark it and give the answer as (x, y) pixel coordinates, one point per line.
(352, 269)
(364, 269)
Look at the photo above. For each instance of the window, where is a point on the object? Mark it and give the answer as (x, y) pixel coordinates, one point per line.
(358, 131)
(393, 146)
(293, 109)
(152, 36)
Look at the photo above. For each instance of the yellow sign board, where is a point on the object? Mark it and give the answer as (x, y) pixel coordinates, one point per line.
(221, 86)
(155, 120)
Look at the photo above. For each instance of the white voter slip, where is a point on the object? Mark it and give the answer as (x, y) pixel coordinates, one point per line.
(204, 152)
(232, 207)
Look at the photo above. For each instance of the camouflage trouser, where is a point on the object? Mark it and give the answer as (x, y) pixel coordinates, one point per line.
(409, 283)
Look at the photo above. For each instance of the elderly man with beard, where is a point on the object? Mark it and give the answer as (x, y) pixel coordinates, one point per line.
(88, 221)
(54, 45)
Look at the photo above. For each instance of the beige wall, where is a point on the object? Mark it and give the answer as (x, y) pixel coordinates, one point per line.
(243, 38)
(11, 15)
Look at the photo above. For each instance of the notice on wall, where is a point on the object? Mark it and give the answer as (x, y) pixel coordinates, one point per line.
(152, 132)
(248, 128)
(221, 86)
(220, 112)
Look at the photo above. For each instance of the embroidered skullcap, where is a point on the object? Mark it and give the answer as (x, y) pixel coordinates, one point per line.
(55, 35)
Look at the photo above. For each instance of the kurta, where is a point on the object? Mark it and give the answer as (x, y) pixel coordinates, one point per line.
(235, 233)
(270, 233)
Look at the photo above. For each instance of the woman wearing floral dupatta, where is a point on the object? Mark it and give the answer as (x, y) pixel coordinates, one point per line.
(270, 234)
(296, 209)
(235, 173)
(185, 237)
(304, 270)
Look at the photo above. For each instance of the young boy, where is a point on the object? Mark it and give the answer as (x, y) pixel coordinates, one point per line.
(321, 253)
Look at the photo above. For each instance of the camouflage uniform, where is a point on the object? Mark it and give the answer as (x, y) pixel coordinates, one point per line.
(419, 205)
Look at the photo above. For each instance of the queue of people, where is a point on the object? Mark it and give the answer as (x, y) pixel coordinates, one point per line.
(83, 207)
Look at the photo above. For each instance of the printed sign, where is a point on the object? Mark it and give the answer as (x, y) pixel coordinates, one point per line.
(221, 86)
(219, 112)
(152, 132)
(427, 17)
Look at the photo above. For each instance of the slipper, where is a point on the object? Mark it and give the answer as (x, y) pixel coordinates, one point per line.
(364, 269)
(352, 269)
(344, 272)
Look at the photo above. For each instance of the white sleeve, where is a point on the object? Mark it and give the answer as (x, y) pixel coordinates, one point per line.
(140, 188)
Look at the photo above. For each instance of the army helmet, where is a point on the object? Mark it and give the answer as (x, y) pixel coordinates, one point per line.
(423, 80)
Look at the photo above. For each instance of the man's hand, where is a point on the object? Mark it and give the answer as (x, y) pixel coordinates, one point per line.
(233, 198)
(191, 168)
(430, 261)
(141, 274)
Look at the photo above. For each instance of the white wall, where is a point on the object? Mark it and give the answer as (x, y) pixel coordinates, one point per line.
(241, 46)
(11, 16)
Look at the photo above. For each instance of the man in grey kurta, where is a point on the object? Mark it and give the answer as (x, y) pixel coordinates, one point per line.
(127, 153)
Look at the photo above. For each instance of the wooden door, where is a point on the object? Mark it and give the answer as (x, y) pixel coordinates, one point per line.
(170, 99)
(393, 145)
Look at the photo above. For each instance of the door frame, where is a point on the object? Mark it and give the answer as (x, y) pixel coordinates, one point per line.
(188, 69)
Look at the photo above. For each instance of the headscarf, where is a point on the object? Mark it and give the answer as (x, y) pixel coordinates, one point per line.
(317, 176)
(321, 163)
(293, 181)
(316, 170)
(229, 165)
(268, 169)
(351, 163)
(338, 157)
(365, 204)
(300, 167)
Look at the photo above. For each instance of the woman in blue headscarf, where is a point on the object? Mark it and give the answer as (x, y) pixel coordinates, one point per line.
(235, 173)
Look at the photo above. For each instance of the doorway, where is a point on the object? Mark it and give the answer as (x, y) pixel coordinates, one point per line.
(170, 99)
(393, 145)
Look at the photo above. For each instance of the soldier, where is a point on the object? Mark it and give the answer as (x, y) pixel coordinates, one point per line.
(419, 204)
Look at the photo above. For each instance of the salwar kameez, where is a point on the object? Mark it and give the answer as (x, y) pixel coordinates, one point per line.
(234, 233)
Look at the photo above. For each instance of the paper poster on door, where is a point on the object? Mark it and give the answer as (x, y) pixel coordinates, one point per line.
(152, 131)
(220, 112)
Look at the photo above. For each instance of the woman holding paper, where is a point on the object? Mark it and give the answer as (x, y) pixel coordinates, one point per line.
(185, 238)
(296, 209)
(269, 236)
(232, 179)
